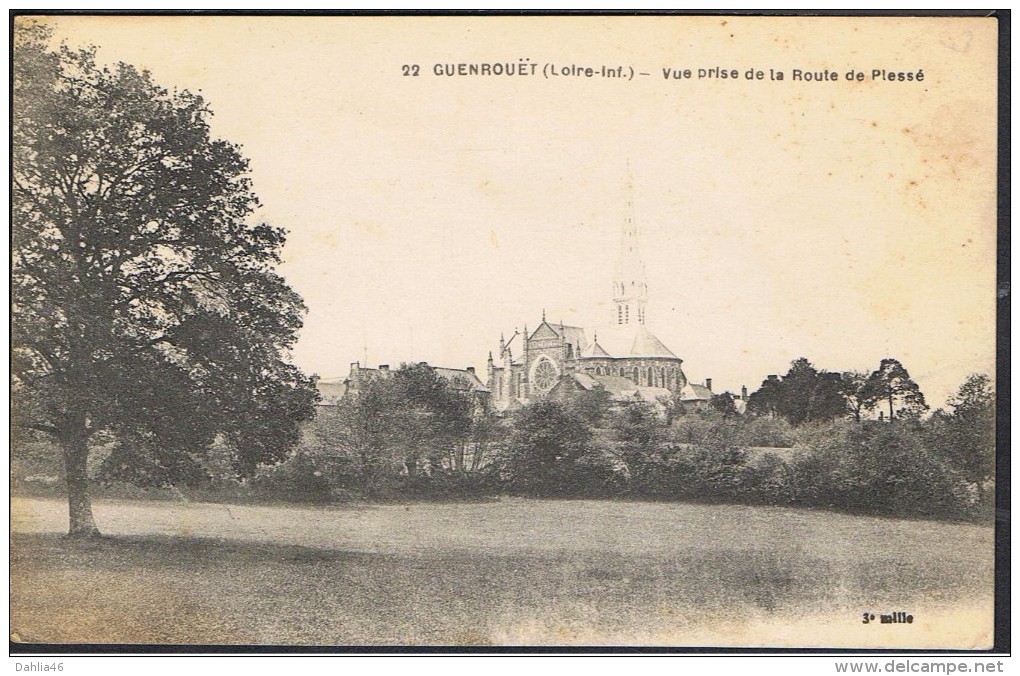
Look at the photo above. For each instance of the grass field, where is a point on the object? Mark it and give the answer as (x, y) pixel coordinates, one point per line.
(506, 572)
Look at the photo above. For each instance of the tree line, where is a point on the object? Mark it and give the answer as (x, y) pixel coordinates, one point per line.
(806, 394)
(414, 435)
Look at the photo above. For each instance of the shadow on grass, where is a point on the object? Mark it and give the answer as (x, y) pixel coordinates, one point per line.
(167, 550)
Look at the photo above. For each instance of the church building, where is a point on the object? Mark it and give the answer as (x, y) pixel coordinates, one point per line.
(624, 357)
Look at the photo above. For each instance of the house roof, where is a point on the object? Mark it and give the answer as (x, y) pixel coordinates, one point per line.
(631, 341)
(461, 379)
(333, 389)
(692, 392)
(330, 389)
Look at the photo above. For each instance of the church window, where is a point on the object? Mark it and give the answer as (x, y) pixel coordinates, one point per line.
(662, 376)
(544, 374)
(651, 380)
(619, 314)
(626, 314)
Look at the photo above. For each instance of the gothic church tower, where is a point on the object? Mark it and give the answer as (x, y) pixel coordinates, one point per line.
(630, 290)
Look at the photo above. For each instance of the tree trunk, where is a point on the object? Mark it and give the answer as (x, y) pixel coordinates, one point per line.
(890, 407)
(76, 454)
(458, 456)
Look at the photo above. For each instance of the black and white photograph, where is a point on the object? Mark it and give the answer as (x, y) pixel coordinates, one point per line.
(481, 331)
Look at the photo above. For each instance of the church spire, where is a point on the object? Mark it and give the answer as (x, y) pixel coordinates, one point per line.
(630, 290)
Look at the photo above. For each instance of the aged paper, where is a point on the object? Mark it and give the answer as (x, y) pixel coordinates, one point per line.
(803, 187)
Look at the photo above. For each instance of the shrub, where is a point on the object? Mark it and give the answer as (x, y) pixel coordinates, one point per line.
(765, 431)
(878, 468)
(550, 452)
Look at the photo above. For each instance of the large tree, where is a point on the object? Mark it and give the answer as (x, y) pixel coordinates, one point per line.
(145, 304)
(965, 435)
(435, 419)
(890, 386)
(412, 418)
(803, 395)
(852, 386)
(542, 454)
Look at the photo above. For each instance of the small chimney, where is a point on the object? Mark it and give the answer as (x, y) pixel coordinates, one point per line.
(743, 392)
(470, 369)
(423, 363)
(708, 384)
(384, 367)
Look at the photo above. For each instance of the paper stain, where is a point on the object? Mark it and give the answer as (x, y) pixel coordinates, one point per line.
(368, 227)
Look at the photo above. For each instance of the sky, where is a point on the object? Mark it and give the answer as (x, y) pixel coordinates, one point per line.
(843, 221)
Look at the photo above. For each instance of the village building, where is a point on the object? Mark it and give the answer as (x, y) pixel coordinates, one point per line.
(332, 390)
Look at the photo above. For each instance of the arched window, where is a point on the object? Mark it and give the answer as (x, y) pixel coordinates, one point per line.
(619, 314)
(662, 377)
(651, 380)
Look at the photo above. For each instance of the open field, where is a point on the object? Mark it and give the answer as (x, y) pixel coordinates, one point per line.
(512, 571)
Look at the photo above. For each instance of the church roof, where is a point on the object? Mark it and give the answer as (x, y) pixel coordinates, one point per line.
(652, 394)
(621, 389)
(571, 334)
(595, 350)
(631, 341)
(617, 385)
(586, 381)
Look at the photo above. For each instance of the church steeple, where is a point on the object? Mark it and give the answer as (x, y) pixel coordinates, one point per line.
(630, 290)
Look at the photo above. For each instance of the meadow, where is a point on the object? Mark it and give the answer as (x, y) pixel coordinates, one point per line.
(511, 571)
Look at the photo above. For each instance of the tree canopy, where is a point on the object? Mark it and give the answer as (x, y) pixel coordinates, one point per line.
(412, 419)
(804, 394)
(890, 385)
(965, 435)
(144, 297)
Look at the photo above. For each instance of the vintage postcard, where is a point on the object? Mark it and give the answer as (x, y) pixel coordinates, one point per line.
(646, 331)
